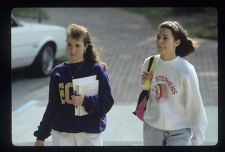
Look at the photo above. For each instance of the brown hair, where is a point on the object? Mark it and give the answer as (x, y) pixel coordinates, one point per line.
(187, 45)
(80, 32)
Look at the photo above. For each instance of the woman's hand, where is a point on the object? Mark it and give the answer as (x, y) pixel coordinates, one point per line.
(77, 100)
(39, 143)
(146, 76)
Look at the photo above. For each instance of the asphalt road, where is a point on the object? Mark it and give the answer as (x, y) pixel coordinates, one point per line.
(24, 87)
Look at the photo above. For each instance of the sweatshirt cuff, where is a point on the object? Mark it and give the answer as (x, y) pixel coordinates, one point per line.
(40, 139)
(198, 136)
(195, 142)
(41, 136)
(87, 105)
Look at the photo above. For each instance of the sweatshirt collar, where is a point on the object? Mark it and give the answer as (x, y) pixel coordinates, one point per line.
(170, 61)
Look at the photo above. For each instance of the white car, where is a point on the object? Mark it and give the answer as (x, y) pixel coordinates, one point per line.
(36, 45)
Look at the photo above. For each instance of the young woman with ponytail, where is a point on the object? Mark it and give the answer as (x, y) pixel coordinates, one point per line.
(60, 120)
(175, 114)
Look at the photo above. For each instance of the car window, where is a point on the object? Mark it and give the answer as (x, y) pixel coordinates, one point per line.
(13, 23)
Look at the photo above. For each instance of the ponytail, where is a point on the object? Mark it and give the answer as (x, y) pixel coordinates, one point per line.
(186, 47)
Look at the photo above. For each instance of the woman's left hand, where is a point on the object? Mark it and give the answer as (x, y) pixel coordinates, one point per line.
(77, 100)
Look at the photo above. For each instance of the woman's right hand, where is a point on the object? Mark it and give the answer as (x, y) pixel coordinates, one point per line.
(39, 143)
(146, 76)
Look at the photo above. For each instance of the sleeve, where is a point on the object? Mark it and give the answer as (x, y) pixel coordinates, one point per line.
(198, 135)
(100, 104)
(44, 129)
(195, 108)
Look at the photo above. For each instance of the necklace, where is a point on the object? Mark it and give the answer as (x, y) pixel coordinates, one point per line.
(72, 73)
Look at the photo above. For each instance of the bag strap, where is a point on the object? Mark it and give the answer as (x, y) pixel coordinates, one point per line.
(150, 63)
(150, 68)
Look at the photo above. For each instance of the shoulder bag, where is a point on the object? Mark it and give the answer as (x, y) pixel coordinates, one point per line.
(144, 95)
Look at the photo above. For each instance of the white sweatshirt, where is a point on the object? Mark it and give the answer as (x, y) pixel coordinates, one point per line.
(175, 101)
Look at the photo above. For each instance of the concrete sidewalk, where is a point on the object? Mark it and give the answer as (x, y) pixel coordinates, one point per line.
(125, 131)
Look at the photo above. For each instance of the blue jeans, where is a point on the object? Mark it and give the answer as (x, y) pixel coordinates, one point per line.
(156, 137)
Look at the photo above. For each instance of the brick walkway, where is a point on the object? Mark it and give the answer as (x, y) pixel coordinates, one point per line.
(125, 40)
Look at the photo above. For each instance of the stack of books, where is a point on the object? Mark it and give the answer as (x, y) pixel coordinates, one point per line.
(87, 86)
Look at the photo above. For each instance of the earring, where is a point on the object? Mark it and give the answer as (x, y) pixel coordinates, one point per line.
(85, 51)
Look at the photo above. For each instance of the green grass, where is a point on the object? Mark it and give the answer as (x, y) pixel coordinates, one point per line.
(29, 13)
(199, 22)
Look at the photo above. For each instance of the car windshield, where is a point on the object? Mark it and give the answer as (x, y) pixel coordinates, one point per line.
(14, 21)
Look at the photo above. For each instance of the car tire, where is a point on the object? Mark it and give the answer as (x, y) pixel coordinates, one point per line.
(45, 61)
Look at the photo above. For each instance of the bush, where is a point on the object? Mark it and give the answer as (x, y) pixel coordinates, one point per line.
(32, 13)
(189, 10)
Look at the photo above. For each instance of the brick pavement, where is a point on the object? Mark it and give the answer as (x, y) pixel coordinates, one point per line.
(125, 40)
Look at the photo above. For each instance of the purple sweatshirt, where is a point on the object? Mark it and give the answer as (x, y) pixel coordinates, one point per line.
(60, 116)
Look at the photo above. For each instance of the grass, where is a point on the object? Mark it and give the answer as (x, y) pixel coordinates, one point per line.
(199, 22)
(32, 13)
